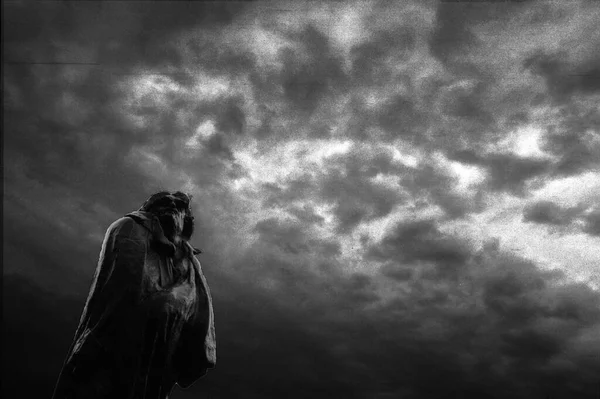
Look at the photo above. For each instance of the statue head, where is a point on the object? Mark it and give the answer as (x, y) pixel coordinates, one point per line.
(174, 213)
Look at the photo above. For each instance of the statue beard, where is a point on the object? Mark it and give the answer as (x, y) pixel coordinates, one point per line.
(176, 225)
(173, 223)
(188, 227)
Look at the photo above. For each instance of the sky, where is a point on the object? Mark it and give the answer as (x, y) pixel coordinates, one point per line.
(393, 199)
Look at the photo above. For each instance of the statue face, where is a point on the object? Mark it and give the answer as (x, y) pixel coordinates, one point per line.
(174, 213)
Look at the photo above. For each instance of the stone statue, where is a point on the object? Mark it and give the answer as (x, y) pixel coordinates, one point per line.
(148, 320)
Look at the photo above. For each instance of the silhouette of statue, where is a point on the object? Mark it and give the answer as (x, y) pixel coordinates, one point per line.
(148, 320)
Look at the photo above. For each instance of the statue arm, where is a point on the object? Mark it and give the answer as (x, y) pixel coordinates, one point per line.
(114, 289)
(119, 274)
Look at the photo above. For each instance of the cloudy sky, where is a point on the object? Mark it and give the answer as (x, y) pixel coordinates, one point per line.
(394, 199)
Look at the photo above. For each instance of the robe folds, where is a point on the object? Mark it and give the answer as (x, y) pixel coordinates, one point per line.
(148, 320)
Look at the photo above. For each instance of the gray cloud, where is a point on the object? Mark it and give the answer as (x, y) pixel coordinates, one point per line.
(562, 79)
(367, 58)
(574, 138)
(306, 214)
(421, 242)
(346, 184)
(547, 212)
(592, 222)
(305, 84)
(501, 307)
(552, 214)
(355, 200)
(507, 172)
(294, 238)
(400, 117)
(434, 185)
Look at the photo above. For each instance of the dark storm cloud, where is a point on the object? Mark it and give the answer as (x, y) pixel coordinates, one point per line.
(507, 172)
(294, 338)
(306, 214)
(400, 117)
(396, 270)
(547, 212)
(452, 31)
(216, 145)
(305, 83)
(345, 183)
(419, 242)
(466, 118)
(574, 138)
(67, 104)
(216, 59)
(367, 58)
(295, 98)
(433, 185)
(578, 159)
(41, 130)
(453, 35)
(281, 195)
(286, 342)
(538, 321)
(348, 183)
(497, 305)
(550, 213)
(293, 263)
(467, 104)
(130, 34)
(232, 118)
(291, 237)
(592, 222)
(562, 79)
(373, 69)
(355, 200)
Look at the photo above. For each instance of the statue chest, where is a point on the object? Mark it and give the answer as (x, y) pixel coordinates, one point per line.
(166, 276)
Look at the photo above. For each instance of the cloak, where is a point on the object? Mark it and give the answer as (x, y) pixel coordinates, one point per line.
(148, 320)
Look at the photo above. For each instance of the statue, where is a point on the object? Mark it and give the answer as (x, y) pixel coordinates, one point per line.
(148, 320)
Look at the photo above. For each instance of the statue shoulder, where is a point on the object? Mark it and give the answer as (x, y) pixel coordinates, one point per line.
(125, 222)
(126, 226)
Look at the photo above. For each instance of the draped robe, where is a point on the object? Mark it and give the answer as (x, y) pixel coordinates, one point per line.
(147, 323)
